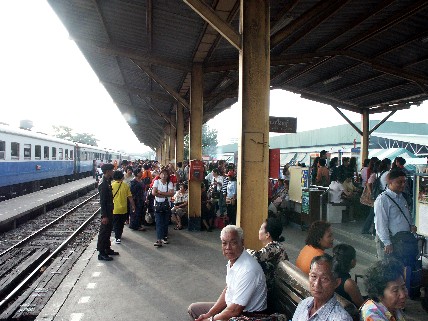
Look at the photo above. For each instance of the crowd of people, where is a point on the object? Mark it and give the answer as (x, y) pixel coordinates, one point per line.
(128, 193)
(144, 192)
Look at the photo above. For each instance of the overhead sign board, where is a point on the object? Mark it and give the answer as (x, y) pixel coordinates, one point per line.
(282, 124)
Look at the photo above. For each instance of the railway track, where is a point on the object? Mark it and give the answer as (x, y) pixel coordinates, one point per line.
(36, 257)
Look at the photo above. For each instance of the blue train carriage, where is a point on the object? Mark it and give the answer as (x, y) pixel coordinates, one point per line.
(88, 159)
(114, 157)
(30, 161)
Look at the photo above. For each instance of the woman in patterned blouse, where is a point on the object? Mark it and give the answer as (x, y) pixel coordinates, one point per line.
(386, 287)
(271, 253)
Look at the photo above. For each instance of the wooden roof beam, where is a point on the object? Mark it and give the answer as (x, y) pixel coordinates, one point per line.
(387, 68)
(303, 20)
(382, 26)
(163, 84)
(211, 17)
(138, 110)
(112, 50)
(157, 111)
(139, 91)
(327, 100)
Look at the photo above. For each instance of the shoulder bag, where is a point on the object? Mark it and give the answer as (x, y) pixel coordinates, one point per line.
(405, 243)
(366, 198)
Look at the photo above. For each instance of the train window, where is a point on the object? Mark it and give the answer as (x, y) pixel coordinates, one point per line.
(53, 152)
(14, 150)
(38, 152)
(27, 151)
(71, 154)
(66, 153)
(2, 149)
(46, 152)
(60, 154)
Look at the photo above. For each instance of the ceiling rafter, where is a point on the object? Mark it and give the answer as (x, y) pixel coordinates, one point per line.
(302, 21)
(138, 91)
(209, 15)
(282, 17)
(163, 84)
(383, 52)
(157, 111)
(333, 8)
(138, 109)
(378, 28)
(137, 55)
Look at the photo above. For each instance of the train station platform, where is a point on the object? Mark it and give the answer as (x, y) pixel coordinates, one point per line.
(16, 209)
(158, 284)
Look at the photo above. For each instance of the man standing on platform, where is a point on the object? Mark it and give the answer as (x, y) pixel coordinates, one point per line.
(245, 292)
(106, 202)
(393, 219)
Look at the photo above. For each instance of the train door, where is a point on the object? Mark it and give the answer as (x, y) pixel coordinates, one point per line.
(76, 160)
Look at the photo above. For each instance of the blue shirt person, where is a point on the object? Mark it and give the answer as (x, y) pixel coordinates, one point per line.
(390, 217)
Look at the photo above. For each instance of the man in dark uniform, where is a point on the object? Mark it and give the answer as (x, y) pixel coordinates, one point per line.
(106, 202)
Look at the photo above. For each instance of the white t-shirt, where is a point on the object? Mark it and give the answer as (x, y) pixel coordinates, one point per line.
(383, 182)
(162, 188)
(335, 192)
(246, 284)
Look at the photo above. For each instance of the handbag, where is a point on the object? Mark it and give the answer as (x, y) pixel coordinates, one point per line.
(365, 197)
(405, 243)
(148, 217)
(162, 207)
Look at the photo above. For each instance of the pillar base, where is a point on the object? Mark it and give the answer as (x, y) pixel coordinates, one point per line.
(194, 224)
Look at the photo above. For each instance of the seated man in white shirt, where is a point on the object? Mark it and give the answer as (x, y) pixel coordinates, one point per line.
(245, 292)
(336, 190)
(322, 305)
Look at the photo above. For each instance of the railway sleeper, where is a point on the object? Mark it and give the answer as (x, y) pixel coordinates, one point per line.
(22, 270)
(10, 260)
(29, 305)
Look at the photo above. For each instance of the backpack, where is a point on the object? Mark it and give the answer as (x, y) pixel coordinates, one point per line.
(146, 179)
(376, 187)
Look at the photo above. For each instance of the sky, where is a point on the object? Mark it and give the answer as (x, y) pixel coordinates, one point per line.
(45, 78)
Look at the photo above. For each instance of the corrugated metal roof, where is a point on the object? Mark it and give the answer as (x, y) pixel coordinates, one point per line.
(357, 55)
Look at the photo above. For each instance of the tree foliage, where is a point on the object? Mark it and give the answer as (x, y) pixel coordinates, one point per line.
(66, 133)
(209, 142)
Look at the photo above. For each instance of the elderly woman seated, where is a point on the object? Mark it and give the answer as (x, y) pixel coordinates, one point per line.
(386, 287)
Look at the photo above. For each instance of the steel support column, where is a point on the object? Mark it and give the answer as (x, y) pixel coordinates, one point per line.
(365, 123)
(172, 136)
(253, 150)
(179, 144)
(195, 142)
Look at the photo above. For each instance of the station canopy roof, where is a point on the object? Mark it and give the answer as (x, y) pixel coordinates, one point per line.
(351, 54)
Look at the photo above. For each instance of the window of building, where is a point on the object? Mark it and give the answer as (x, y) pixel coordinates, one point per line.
(54, 153)
(2, 149)
(46, 152)
(38, 152)
(14, 150)
(60, 154)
